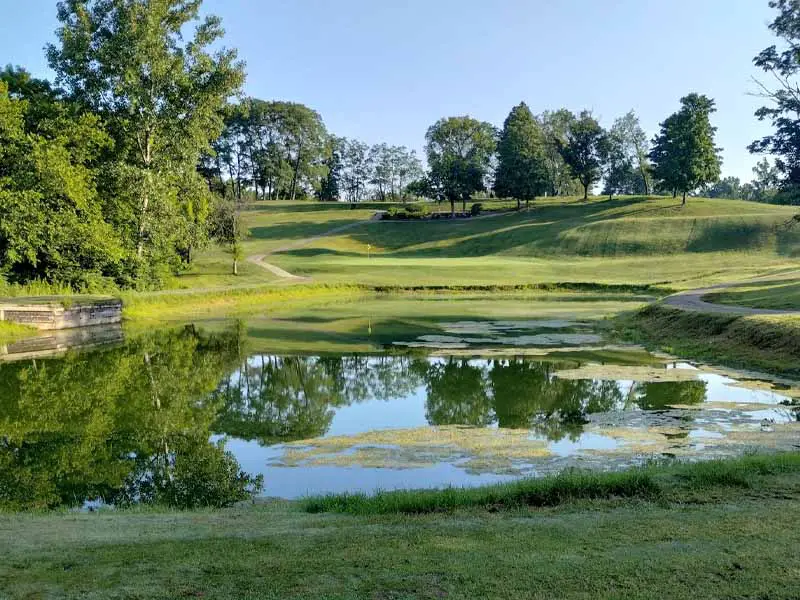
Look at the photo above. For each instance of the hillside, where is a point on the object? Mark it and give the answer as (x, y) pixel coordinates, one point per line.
(630, 240)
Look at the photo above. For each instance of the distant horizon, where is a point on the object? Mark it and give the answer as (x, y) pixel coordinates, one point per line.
(386, 73)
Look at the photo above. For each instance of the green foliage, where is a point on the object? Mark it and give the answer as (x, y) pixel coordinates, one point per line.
(412, 211)
(585, 150)
(162, 97)
(52, 225)
(475, 209)
(684, 155)
(460, 152)
(555, 125)
(330, 187)
(521, 171)
(783, 65)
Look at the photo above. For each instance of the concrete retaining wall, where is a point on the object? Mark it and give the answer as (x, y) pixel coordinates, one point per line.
(55, 316)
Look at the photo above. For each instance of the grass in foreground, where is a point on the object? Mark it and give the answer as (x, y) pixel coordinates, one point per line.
(644, 483)
(766, 343)
(721, 539)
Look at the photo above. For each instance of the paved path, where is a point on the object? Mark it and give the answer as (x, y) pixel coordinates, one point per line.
(692, 300)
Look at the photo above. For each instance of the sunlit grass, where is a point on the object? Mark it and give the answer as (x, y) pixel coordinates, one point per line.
(642, 483)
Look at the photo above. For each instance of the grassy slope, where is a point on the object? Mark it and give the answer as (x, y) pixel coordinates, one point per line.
(711, 537)
(766, 343)
(633, 240)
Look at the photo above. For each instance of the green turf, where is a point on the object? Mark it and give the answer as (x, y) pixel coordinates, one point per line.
(732, 538)
(765, 343)
(628, 240)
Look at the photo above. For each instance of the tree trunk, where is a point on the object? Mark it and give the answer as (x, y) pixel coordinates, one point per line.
(519, 204)
(235, 266)
(644, 180)
(675, 193)
(452, 207)
(585, 191)
(464, 204)
(296, 171)
(683, 202)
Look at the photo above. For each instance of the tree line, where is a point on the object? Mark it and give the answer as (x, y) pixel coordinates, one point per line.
(142, 150)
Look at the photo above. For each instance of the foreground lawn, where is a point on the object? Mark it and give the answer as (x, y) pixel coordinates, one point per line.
(708, 537)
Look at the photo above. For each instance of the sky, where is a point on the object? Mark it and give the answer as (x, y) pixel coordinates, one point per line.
(385, 71)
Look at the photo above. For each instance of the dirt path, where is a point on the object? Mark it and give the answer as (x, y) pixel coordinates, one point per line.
(692, 300)
(259, 259)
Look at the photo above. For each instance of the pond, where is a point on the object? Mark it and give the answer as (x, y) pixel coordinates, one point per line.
(459, 402)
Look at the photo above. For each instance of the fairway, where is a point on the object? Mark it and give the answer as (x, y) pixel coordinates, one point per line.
(632, 240)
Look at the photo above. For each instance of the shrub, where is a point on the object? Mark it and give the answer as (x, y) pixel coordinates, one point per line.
(476, 209)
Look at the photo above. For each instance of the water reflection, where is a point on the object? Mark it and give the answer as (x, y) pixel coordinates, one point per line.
(114, 424)
(135, 423)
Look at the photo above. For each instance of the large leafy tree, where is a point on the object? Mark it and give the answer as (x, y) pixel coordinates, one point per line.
(460, 152)
(555, 125)
(684, 155)
(521, 170)
(51, 220)
(585, 150)
(357, 169)
(784, 111)
(163, 97)
(285, 145)
(629, 151)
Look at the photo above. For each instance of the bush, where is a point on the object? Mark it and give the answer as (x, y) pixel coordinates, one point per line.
(476, 209)
(412, 211)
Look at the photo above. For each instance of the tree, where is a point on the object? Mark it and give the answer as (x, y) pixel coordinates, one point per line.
(460, 151)
(555, 125)
(684, 155)
(521, 170)
(330, 188)
(585, 150)
(356, 169)
(618, 164)
(52, 225)
(380, 156)
(627, 131)
(227, 229)
(766, 182)
(405, 168)
(163, 99)
(784, 111)
(727, 187)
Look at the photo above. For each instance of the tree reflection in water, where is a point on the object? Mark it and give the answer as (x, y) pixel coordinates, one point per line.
(133, 423)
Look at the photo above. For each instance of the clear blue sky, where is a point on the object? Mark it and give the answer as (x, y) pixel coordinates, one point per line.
(386, 70)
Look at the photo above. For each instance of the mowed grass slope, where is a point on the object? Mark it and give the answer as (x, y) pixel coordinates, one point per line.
(628, 240)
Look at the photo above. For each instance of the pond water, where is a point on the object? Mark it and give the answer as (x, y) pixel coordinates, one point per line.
(463, 403)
